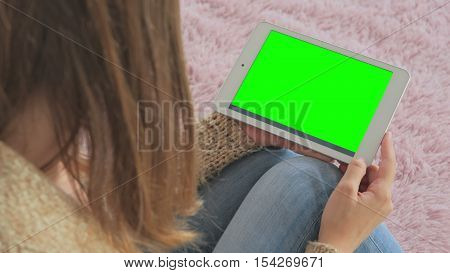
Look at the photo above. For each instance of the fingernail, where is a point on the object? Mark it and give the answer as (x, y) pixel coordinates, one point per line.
(389, 134)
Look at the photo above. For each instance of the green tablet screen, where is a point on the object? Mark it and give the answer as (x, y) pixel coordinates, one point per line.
(311, 91)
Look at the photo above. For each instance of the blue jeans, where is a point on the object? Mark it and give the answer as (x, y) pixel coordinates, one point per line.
(271, 201)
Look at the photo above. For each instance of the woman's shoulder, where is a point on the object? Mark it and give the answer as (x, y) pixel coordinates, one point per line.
(36, 216)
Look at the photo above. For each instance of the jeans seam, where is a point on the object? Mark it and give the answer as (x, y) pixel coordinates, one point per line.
(376, 245)
(308, 232)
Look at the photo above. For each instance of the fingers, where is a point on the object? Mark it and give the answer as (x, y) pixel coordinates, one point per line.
(353, 176)
(372, 172)
(386, 171)
(343, 166)
(379, 193)
(322, 157)
(264, 138)
(261, 137)
(305, 151)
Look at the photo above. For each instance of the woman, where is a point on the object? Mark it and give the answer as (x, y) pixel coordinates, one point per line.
(99, 151)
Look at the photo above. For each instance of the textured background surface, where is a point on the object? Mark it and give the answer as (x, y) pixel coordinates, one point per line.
(216, 31)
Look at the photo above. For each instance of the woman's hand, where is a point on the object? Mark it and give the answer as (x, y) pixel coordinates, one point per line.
(263, 138)
(360, 202)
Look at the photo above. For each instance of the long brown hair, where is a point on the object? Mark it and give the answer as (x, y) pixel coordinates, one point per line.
(95, 63)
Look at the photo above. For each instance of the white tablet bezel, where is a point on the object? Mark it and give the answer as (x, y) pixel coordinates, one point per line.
(378, 125)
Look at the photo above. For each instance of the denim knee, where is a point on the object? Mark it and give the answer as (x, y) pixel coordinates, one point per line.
(282, 211)
(305, 178)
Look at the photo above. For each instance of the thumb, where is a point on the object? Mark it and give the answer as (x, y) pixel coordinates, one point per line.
(353, 175)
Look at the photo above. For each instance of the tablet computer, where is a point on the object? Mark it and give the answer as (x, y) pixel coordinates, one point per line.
(321, 96)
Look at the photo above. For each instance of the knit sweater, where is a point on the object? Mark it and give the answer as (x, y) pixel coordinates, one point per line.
(35, 216)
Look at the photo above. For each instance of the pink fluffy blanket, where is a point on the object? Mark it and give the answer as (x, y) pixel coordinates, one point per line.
(417, 38)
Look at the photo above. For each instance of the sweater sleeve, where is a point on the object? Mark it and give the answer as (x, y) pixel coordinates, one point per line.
(317, 247)
(221, 141)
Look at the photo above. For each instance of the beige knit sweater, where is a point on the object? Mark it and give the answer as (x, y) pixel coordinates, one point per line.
(35, 216)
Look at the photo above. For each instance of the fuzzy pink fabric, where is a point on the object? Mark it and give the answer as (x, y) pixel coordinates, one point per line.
(215, 32)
